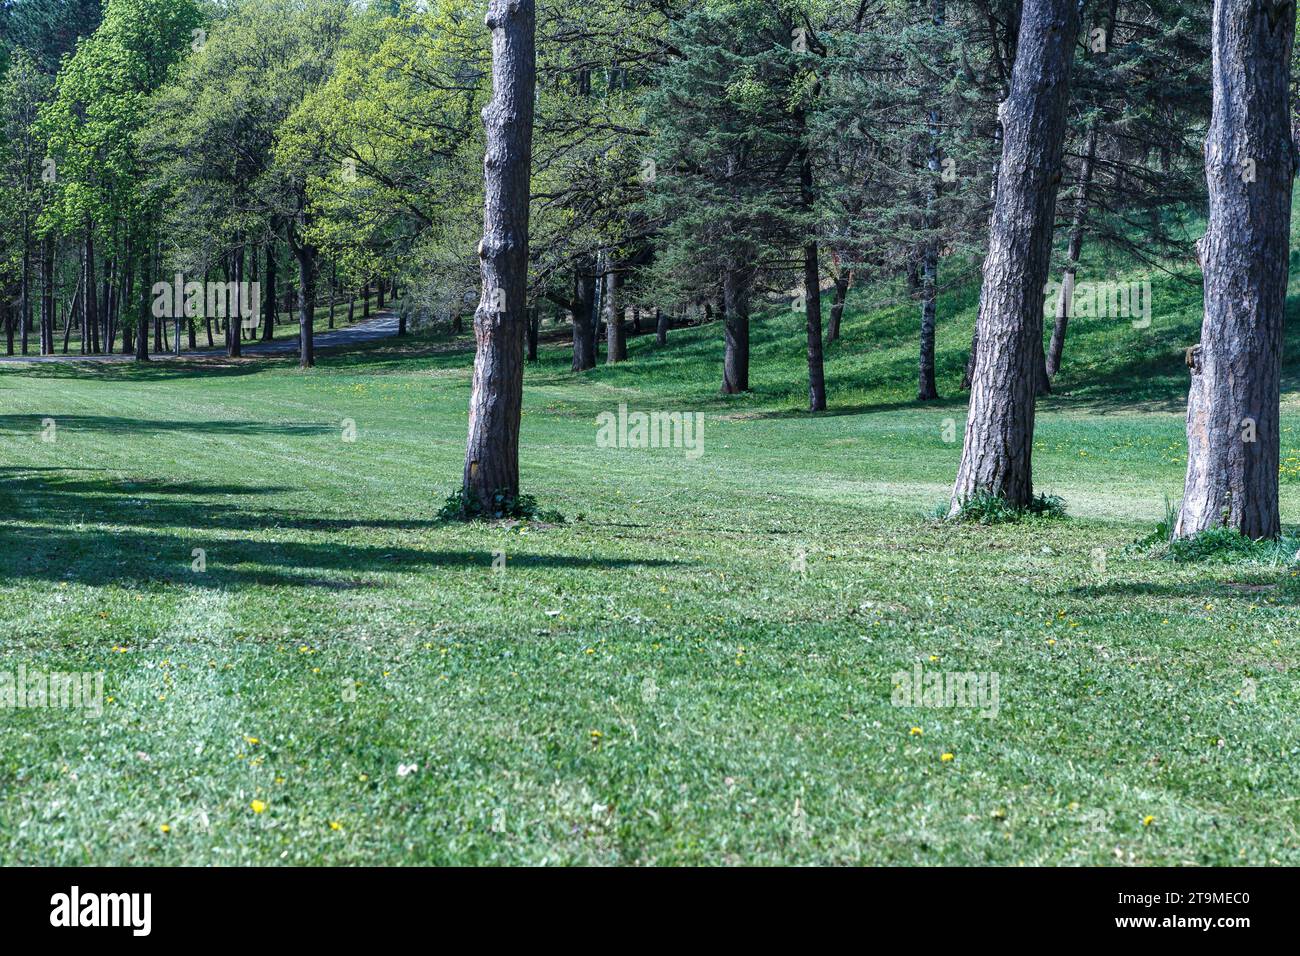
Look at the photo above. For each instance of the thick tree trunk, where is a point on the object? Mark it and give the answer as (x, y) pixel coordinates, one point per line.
(584, 319)
(661, 327)
(496, 397)
(837, 307)
(1233, 429)
(997, 451)
(612, 310)
(735, 359)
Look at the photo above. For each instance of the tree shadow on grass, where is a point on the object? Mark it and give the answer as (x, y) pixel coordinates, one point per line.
(34, 424)
(1278, 592)
(143, 534)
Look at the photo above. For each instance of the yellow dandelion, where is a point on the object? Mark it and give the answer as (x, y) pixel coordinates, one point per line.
(1148, 820)
(915, 732)
(258, 806)
(165, 828)
(946, 758)
(335, 825)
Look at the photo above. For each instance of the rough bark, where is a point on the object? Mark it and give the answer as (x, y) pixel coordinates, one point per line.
(661, 327)
(1233, 429)
(496, 396)
(997, 449)
(735, 359)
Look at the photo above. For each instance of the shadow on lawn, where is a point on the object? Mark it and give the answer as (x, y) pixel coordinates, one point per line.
(53, 530)
(1276, 592)
(33, 424)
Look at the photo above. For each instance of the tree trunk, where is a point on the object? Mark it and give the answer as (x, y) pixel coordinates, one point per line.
(1233, 429)
(1074, 248)
(997, 451)
(926, 389)
(90, 320)
(268, 320)
(142, 322)
(615, 331)
(306, 256)
(496, 397)
(584, 319)
(234, 320)
(1075, 242)
(533, 322)
(837, 307)
(47, 295)
(735, 359)
(334, 281)
(661, 327)
(812, 289)
(25, 316)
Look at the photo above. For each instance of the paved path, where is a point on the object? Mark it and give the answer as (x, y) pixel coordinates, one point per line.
(383, 325)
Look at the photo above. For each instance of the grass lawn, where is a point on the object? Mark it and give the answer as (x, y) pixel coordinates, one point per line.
(697, 667)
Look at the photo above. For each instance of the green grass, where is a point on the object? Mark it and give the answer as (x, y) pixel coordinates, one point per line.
(696, 667)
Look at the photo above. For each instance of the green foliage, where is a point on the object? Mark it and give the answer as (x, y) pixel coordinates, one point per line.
(505, 506)
(986, 508)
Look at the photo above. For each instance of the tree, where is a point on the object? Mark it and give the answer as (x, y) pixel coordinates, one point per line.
(1233, 428)
(496, 397)
(728, 197)
(998, 445)
(94, 125)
